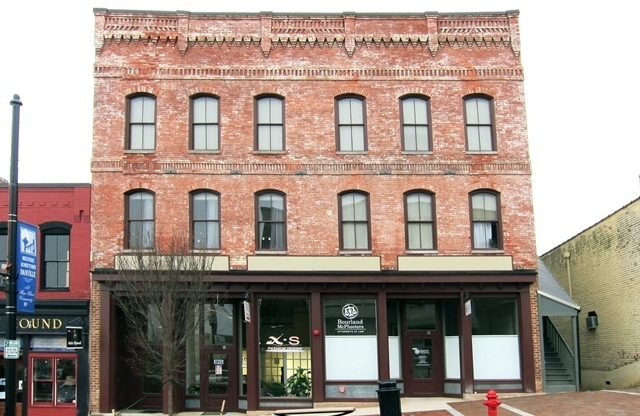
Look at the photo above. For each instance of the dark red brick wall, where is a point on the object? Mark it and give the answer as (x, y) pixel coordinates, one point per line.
(69, 203)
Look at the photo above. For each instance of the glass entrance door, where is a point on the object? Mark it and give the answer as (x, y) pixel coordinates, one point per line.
(421, 378)
(422, 352)
(220, 391)
(218, 359)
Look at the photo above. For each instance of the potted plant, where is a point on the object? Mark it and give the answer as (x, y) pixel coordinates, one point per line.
(299, 384)
(272, 388)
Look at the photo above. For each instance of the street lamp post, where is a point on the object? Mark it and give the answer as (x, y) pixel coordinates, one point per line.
(12, 231)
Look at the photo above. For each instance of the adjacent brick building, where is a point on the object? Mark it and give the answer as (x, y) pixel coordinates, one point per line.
(600, 268)
(53, 375)
(363, 180)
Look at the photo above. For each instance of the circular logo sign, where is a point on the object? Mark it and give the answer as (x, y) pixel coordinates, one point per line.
(350, 311)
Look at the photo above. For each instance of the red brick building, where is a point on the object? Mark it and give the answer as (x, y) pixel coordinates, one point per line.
(53, 376)
(362, 179)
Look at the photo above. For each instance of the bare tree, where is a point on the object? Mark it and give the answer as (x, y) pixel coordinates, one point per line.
(159, 293)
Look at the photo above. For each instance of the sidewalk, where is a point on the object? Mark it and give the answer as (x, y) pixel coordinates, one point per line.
(624, 402)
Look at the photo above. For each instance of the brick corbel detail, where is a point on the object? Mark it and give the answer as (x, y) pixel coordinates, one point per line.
(432, 32)
(183, 31)
(514, 31)
(266, 33)
(98, 34)
(349, 36)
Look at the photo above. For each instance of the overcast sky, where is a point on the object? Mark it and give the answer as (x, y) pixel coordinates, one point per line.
(581, 86)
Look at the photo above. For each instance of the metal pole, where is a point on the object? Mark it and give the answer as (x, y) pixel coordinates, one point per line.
(12, 230)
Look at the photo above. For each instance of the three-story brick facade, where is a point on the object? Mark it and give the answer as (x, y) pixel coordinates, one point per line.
(363, 180)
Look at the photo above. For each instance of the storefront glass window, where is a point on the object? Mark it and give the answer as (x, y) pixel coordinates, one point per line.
(393, 325)
(351, 345)
(243, 353)
(43, 380)
(215, 328)
(54, 380)
(494, 323)
(421, 315)
(153, 373)
(285, 347)
(152, 365)
(66, 380)
(218, 324)
(451, 339)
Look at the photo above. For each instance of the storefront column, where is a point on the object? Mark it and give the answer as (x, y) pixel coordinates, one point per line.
(466, 352)
(383, 338)
(317, 348)
(108, 339)
(253, 362)
(526, 339)
(82, 384)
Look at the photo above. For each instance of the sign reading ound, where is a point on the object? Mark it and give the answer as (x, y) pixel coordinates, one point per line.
(27, 262)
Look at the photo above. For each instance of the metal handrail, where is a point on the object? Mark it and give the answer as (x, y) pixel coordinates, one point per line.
(561, 347)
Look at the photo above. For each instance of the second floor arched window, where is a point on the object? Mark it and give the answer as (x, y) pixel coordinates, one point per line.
(354, 221)
(140, 220)
(420, 221)
(205, 220)
(55, 255)
(271, 221)
(485, 220)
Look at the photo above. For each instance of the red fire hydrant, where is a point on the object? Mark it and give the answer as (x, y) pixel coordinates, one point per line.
(492, 403)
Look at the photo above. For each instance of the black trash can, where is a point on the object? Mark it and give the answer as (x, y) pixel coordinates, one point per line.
(389, 398)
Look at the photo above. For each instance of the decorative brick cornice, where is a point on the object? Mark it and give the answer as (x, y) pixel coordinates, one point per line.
(292, 168)
(324, 74)
(268, 30)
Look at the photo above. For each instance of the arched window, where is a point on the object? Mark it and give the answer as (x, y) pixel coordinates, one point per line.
(354, 221)
(269, 123)
(205, 124)
(351, 124)
(55, 255)
(485, 220)
(205, 220)
(140, 220)
(420, 221)
(479, 124)
(416, 133)
(271, 221)
(141, 120)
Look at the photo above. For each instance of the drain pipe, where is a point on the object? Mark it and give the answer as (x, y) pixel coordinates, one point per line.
(567, 256)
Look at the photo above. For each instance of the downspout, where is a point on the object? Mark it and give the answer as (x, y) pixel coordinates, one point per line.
(567, 255)
(576, 332)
